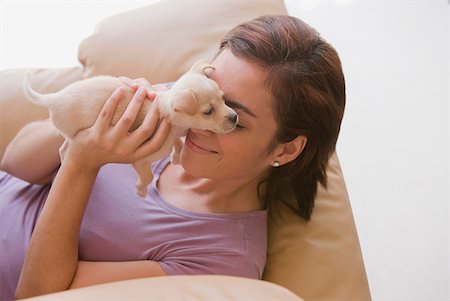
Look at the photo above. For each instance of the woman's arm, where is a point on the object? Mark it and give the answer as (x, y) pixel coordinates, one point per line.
(51, 262)
(33, 155)
(97, 272)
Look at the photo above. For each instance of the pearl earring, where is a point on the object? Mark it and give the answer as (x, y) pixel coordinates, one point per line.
(276, 164)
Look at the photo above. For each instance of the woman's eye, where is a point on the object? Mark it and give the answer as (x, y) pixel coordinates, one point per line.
(210, 111)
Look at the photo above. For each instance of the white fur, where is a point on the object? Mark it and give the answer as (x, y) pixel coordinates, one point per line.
(185, 105)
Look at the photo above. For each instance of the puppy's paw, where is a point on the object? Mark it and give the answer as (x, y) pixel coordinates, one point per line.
(63, 150)
(141, 191)
(145, 177)
(175, 159)
(176, 151)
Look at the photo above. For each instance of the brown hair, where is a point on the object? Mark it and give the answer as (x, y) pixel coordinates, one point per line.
(304, 76)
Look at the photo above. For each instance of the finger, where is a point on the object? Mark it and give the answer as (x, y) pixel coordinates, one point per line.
(108, 109)
(148, 126)
(142, 82)
(155, 143)
(129, 82)
(128, 118)
(151, 95)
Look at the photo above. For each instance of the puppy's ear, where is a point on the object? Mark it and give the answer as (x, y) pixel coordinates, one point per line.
(200, 67)
(184, 101)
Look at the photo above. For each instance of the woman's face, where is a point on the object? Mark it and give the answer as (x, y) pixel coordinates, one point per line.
(243, 153)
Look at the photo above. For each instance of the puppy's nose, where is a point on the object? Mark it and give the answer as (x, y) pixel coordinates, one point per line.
(233, 118)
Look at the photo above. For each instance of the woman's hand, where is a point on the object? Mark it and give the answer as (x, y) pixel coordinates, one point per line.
(106, 143)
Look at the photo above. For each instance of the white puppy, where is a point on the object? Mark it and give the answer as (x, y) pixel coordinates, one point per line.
(194, 101)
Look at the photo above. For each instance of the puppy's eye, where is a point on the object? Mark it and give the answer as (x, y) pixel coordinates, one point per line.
(209, 112)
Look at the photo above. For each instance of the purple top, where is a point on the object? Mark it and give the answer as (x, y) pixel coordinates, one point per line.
(120, 226)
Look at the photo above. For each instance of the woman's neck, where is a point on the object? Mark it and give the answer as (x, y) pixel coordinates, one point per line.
(208, 195)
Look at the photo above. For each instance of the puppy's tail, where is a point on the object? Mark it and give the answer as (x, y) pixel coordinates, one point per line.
(32, 95)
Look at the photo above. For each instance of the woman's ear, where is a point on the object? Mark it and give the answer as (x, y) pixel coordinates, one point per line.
(289, 151)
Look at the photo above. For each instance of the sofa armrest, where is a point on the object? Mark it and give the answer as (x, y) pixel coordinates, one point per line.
(168, 288)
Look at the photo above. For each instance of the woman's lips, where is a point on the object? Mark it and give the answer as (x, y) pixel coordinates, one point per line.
(196, 147)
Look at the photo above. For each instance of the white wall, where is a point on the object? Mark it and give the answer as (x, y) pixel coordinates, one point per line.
(394, 144)
(47, 33)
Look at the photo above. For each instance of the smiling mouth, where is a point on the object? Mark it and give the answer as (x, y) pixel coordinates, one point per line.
(197, 148)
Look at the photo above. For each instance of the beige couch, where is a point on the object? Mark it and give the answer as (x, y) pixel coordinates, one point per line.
(319, 260)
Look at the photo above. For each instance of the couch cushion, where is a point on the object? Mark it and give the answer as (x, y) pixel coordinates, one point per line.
(320, 259)
(161, 41)
(194, 288)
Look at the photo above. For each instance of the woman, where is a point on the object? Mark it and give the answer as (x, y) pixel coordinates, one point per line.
(207, 215)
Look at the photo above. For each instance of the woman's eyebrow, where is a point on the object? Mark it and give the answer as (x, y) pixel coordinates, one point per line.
(235, 105)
